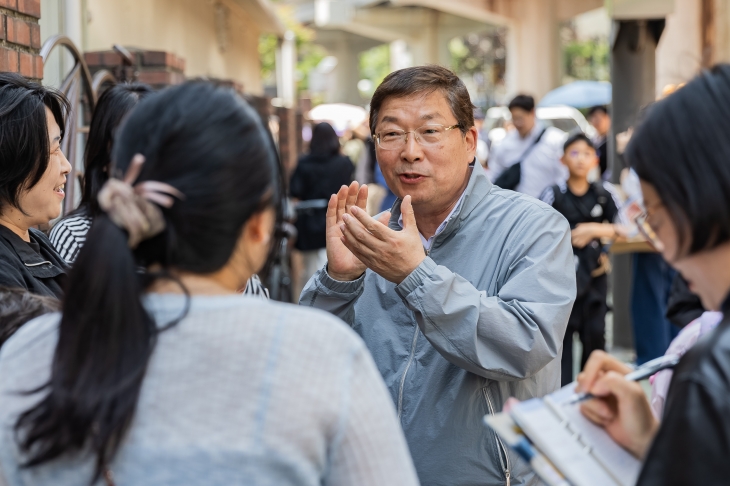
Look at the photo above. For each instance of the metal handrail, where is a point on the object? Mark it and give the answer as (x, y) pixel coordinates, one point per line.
(102, 78)
(65, 41)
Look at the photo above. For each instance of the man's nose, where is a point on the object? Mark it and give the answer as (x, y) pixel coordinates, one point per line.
(412, 151)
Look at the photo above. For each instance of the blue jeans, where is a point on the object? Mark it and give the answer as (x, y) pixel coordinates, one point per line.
(652, 280)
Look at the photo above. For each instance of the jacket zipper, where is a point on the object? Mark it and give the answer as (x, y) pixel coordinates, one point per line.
(403, 378)
(502, 450)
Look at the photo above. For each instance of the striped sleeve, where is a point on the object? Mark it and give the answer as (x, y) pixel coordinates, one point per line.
(69, 235)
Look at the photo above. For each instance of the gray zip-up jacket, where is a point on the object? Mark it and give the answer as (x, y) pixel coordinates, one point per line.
(481, 319)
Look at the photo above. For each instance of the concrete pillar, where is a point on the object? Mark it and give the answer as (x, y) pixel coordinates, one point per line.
(346, 73)
(679, 53)
(286, 63)
(533, 48)
(425, 47)
(400, 55)
(633, 75)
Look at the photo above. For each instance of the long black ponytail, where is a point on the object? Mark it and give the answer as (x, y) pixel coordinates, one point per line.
(209, 144)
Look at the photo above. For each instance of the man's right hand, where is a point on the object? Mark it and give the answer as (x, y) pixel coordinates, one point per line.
(342, 265)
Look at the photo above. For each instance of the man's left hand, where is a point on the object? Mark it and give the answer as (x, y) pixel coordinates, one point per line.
(391, 254)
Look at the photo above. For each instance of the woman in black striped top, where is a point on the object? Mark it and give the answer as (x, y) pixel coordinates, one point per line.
(69, 234)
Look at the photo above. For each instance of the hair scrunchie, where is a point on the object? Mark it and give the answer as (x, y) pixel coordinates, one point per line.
(136, 208)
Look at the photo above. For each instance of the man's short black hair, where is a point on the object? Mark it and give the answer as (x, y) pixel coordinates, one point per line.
(522, 101)
(425, 80)
(577, 137)
(596, 109)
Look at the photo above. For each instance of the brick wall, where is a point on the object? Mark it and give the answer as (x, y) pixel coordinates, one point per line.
(20, 37)
(156, 68)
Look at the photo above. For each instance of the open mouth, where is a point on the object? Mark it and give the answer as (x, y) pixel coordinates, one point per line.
(60, 190)
(409, 178)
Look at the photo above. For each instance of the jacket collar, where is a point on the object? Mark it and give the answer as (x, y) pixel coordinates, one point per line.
(476, 190)
(26, 254)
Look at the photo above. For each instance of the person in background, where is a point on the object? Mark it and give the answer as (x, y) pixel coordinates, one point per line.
(318, 174)
(353, 145)
(389, 199)
(69, 234)
(365, 170)
(591, 211)
(33, 174)
(680, 154)
(535, 147)
(651, 286)
(600, 119)
(482, 147)
(462, 293)
(175, 378)
(18, 306)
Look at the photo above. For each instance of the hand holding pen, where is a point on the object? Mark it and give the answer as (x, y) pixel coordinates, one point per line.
(619, 406)
(641, 373)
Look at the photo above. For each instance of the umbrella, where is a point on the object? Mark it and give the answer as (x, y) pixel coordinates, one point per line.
(340, 115)
(579, 94)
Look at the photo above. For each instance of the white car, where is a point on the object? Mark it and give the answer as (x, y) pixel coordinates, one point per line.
(566, 118)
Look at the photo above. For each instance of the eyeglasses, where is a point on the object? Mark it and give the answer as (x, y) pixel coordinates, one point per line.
(642, 224)
(426, 136)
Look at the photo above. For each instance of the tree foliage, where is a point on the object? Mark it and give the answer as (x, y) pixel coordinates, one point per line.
(309, 54)
(375, 65)
(585, 58)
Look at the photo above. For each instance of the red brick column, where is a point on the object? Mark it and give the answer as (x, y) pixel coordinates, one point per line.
(20, 38)
(288, 144)
(156, 68)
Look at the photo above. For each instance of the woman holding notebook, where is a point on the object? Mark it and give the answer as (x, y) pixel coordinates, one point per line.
(682, 155)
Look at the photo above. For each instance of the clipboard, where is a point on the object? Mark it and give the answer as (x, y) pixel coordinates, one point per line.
(583, 453)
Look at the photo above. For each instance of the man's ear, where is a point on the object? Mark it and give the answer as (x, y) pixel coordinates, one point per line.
(470, 137)
(563, 161)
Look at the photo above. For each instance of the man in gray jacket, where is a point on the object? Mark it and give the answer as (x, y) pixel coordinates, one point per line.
(462, 294)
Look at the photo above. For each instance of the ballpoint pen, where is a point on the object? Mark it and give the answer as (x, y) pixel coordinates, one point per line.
(641, 373)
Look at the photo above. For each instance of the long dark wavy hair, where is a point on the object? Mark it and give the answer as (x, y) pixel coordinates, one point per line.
(113, 105)
(210, 145)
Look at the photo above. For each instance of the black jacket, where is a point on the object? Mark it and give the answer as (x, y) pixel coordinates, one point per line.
(317, 177)
(683, 306)
(693, 443)
(23, 267)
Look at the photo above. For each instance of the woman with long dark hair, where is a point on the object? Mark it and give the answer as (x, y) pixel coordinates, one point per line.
(681, 153)
(169, 376)
(69, 234)
(33, 174)
(319, 174)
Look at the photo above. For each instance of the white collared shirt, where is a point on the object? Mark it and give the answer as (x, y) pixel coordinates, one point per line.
(427, 242)
(541, 168)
